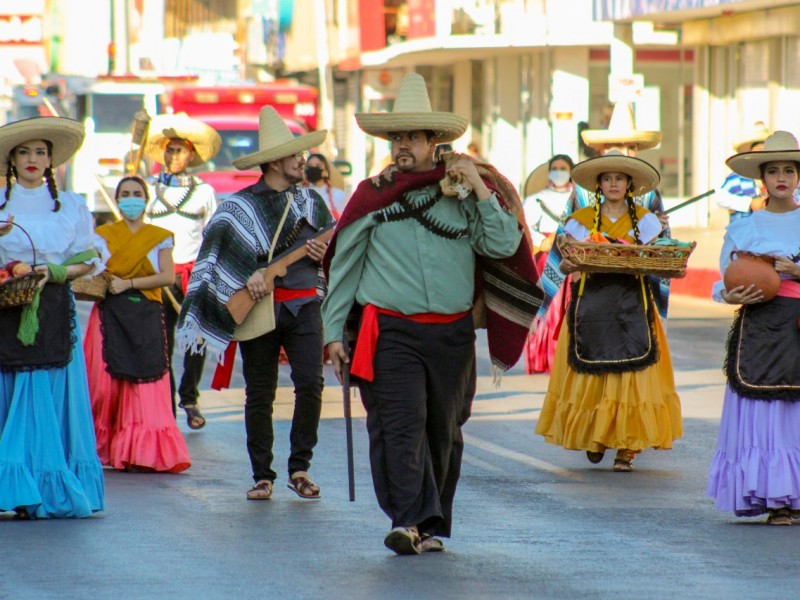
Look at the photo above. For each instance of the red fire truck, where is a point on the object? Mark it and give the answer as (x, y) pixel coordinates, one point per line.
(233, 112)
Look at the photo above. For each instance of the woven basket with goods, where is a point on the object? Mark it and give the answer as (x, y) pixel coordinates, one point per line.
(664, 259)
(91, 289)
(19, 290)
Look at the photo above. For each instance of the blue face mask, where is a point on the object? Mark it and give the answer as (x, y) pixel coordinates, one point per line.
(559, 178)
(132, 208)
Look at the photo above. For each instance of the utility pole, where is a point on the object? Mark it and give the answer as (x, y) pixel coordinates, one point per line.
(323, 71)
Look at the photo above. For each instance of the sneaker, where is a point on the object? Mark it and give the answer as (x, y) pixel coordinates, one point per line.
(402, 540)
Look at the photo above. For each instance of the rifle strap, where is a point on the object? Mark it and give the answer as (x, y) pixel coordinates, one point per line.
(278, 230)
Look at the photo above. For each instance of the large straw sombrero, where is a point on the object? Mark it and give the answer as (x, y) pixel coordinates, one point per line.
(65, 134)
(275, 141)
(622, 130)
(537, 180)
(645, 176)
(180, 126)
(412, 112)
(758, 134)
(781, 145)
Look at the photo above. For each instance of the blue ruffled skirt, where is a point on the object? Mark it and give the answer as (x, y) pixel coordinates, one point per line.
(48, 459)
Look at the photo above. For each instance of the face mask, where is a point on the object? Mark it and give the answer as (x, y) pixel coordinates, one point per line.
(559, 178)
(131, 207)
(314, 173)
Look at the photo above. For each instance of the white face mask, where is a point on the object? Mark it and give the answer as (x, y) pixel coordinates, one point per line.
(559, 178)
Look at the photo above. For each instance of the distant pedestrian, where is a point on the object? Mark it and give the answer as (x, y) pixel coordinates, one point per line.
(741, 195)
(183, 204)
(612, 384)
(126, 343)
(327, 181)
(755, 468)
(48, 464)
(410, 256)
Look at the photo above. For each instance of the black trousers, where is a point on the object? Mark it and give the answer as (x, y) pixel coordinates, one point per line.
(193, 364)
(420, 397)
(301, 337)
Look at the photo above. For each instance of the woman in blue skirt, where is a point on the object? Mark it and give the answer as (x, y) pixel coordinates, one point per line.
(48, 462)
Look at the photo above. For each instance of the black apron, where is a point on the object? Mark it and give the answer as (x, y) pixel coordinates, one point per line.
(610, 329)
(134, 337)
(52, 346)
(762, 359)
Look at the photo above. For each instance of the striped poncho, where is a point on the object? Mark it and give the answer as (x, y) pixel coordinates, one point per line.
(237, 241)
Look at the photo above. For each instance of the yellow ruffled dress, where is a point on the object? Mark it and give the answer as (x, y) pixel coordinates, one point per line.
(633, 410)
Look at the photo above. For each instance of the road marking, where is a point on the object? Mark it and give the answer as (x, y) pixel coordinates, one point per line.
(522, 458)
(479, 463)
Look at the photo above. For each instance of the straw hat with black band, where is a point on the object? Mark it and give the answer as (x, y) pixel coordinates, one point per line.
(622, 130)
(412, 112)
(644, 176)
(756, 136)
(780, 146)
(204, 139)
(276, 141)
(66, 136)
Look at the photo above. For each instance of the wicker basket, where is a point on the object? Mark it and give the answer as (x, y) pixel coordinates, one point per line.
(633, 259)
(19, 291)
(91, 289)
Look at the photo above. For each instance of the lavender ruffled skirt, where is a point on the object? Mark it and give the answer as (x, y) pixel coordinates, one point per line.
(756, 467)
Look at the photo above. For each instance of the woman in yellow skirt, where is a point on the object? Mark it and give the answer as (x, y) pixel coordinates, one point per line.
(612, 383)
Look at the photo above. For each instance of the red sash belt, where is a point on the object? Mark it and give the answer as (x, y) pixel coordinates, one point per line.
(284, 295)
(789, 288)
(368, 335)
(185, 271)
(224, 371)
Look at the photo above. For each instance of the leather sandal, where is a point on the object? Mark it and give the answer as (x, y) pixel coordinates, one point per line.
(194, 418)
(262, 490)
(403, 540)
(429, 543)
(623, 463)
(780, 516)
(302, 485)
(595, 457)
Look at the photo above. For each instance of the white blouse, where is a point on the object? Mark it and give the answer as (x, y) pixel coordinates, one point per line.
(649, 228)
(539, 222)
(763, 232)
(56, 236)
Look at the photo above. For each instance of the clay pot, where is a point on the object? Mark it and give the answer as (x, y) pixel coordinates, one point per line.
(757, 269)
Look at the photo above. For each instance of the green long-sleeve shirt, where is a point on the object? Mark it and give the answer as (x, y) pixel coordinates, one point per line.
(402, 266)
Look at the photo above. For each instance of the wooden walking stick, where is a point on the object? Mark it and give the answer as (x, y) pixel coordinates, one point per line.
(348, 422)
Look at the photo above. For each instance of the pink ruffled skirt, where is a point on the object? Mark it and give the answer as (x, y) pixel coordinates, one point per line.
(133, 422)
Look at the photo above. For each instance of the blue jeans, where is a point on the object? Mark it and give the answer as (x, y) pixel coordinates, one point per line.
(301, 338)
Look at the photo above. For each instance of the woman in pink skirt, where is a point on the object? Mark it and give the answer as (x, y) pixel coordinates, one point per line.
(756, 468)
(126, 344)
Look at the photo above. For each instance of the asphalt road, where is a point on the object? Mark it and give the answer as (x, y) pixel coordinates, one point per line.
(532, 520)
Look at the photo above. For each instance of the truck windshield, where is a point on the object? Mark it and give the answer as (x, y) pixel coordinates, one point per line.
(235, 143)
(113, 113)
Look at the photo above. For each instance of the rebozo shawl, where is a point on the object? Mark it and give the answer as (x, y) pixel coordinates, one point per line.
(506, 287)
(236, 243)
(552, 278)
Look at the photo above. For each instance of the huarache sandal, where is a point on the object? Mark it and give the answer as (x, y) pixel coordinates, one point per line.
(623, 463)
(262, 490)
(194, 418)
(301, 485)
(595, 457)
(781, 516)
(403, 540)
(429, 543)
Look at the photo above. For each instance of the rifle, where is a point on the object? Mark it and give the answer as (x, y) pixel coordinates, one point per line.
(348, 422)
(689, 201)
(241, 303)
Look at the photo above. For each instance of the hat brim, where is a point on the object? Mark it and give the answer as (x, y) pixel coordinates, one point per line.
(298, 144)
(447, 126)
(66, 136)
(645, 176)
(644, 140)
(744, 144)
(538, 179)
(204, 138)
(748, 164)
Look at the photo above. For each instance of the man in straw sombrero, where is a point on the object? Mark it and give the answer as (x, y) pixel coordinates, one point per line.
(407, 253)
(183, 204)
(623, 137)
(250, 226)
(741, 195)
